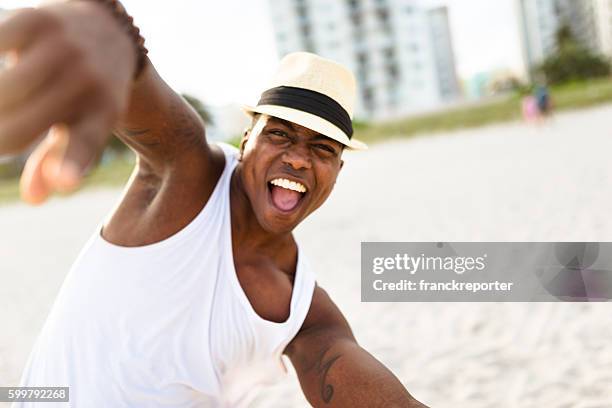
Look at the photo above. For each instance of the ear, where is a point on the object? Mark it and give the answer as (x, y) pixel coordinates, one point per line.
(243, 141)
(339, 170)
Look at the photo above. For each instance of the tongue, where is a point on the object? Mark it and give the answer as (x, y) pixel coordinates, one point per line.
(284, 199)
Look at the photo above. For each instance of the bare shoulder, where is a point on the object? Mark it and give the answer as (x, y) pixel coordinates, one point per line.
(324, 324)
(155, 207)
(324, 312)
(176, 171)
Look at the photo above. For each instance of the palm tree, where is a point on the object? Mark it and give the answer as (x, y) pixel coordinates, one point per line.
(572, 61)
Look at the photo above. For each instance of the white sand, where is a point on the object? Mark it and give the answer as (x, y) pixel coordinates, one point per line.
(501, 183)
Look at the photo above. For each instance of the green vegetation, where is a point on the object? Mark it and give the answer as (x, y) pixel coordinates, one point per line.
(572, 61)
(9, 190)
(502, 110)
(564, 97)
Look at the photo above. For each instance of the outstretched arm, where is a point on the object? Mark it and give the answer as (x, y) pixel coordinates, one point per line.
(334, 371)
(159, 125)
(73, 73)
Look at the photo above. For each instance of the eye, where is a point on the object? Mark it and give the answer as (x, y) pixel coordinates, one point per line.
(325, 148)
(277, 135)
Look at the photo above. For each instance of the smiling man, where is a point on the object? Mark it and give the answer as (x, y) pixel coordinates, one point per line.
(193, 289)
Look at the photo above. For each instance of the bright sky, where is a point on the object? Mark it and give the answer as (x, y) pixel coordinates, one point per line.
(224, 51)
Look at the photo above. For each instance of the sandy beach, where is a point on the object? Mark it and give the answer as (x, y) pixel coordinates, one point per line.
(508, 182)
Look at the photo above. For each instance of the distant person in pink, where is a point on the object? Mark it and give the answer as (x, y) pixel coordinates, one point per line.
(531, 113)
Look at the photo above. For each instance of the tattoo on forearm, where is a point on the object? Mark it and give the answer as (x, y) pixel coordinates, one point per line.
(327, 390)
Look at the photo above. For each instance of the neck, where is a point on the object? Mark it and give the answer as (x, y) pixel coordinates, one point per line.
(246, 229)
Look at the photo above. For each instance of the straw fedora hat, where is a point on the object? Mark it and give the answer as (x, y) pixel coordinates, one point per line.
(313, 92)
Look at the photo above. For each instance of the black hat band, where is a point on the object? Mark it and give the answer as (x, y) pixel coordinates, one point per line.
(309, 101)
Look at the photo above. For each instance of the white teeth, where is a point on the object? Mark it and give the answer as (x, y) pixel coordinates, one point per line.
(289, 185)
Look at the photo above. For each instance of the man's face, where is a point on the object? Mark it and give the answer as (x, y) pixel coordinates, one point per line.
(282, 161)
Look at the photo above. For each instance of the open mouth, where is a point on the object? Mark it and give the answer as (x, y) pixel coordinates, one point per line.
(285, 194)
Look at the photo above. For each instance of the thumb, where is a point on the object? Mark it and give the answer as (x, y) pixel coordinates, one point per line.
(84, 140)
(33, 186)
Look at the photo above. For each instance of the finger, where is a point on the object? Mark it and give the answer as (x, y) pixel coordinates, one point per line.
(53, 104)
(63, 158)
(21, 28)
(34, 69)
(33, 186)
(85, 138)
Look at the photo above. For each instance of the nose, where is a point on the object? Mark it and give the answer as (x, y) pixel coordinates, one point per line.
(298, 157)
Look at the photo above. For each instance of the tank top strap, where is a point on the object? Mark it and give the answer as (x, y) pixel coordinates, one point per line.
(231, 161)
(301, 299)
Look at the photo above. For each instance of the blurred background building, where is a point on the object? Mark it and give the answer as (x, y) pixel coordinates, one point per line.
(602, 10)
(589, 20)
(400, 50)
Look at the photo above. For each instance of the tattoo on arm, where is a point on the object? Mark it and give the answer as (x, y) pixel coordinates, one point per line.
(327, 390)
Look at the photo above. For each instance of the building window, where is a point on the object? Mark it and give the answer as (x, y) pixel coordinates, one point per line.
(302, 12)
(305, 30)
(353, 4)
(383, 17)
(368, 98)
(392, 94)
(309, 45)
(389, 53)
(362, 58)
(393, 71)
(383, 14)
(363, 76)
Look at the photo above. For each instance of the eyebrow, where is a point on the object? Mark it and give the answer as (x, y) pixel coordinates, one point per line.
(282, 122)
(317, 137)
(322, 137)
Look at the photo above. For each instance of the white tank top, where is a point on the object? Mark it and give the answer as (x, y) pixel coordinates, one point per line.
(166, 324)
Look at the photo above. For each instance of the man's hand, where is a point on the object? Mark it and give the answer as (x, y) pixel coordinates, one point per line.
(334, 371)
(71, 70)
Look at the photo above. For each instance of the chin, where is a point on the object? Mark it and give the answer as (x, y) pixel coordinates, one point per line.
(274, 224)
